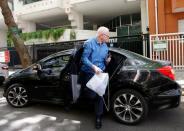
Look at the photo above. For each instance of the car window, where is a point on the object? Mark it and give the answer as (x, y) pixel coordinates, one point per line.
(54, 66)
(59, 61)
(133, 62)
(116, 59)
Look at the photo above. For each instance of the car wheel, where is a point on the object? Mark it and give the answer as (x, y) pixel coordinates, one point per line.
(129, 106)
(17, 95)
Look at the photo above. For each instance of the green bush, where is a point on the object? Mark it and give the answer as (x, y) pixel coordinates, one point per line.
(54, 34)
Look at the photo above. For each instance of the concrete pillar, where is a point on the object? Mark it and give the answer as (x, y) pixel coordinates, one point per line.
(144, 16)
(75, 17)
(3, 38)
(78, 19)
(27, 26)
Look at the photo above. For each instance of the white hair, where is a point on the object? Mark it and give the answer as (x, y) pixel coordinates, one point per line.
(102, 30)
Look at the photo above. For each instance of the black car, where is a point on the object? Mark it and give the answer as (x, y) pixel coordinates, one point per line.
(136, 85)
(3, 72)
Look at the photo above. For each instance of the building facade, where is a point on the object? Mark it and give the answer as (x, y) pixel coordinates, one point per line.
(166, 16)
(124, 16)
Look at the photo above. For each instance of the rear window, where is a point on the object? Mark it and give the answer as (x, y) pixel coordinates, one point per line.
(135, 59)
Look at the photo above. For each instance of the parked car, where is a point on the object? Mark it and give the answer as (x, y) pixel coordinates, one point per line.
(137, 84)
(3, 72)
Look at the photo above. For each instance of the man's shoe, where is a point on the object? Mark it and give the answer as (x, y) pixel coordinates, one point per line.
(67, 108)
(98, 122)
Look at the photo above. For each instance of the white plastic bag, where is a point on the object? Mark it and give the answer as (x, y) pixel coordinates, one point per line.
(98, 83)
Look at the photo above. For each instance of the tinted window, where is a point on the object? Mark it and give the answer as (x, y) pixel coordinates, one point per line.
(115, 61)
(136, 58)
(60, 61)
(134, 62)
(55, 65)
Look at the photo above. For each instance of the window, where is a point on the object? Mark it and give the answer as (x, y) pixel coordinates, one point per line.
(181, 25)
(125, 20)
(55, 65)
(60, 61)
(136, 18)
(115, 62)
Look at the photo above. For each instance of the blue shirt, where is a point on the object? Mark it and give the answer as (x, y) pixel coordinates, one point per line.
(94, 54)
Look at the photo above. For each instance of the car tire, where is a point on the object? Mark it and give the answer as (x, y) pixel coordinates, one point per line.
(17, 96)
(129, 106)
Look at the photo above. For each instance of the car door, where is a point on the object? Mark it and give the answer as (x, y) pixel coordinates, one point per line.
(115, 63)
(49, 84)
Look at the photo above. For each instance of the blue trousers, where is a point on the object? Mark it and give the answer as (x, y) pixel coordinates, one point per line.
(96, 99)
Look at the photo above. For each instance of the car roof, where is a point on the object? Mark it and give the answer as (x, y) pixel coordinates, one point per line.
(69, 51)
(129, 54)
(121, 51)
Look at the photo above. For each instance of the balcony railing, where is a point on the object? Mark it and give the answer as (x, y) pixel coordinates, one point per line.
(29, 1)
(39, 5)
(78, 1)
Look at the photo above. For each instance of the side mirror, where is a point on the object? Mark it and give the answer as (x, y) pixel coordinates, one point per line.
(36, 67)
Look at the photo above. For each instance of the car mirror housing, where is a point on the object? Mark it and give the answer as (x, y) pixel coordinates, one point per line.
(36, 67)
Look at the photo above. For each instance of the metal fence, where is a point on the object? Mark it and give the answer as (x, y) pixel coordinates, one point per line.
(135, 43)
(168, 47)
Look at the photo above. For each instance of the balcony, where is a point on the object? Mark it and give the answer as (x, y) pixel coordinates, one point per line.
(29, 1)
(78, 1)
(39, 9)
(177, 6)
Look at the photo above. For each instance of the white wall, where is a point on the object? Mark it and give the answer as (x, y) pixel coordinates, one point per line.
(144, 17)
(85, 34)
(3, 40)
(17, 5)
(28, 26)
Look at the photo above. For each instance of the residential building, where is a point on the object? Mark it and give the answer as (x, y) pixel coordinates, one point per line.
(123, 16)
(166, 16)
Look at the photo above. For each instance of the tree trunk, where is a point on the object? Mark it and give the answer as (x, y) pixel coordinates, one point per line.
(13, 28)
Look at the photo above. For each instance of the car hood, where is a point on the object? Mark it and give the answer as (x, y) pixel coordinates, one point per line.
(17, 72)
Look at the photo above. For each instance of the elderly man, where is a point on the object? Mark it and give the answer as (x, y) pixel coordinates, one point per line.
(94, 60)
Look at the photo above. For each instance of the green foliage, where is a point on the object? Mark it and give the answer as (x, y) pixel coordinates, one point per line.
(54, 34)
(46, 34)
(9, 40)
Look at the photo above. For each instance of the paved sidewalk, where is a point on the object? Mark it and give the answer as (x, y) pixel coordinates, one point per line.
(180, 77)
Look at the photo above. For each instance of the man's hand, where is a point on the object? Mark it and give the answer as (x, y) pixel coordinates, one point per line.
(108, 59)
(96, 69)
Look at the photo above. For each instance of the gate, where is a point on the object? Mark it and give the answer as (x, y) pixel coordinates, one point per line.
(135, 43)
(168, 47)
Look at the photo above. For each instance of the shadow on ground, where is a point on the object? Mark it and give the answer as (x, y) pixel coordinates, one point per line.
(46, 117)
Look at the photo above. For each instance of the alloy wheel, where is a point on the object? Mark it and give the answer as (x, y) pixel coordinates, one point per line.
(128, 107)
(17, 96)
